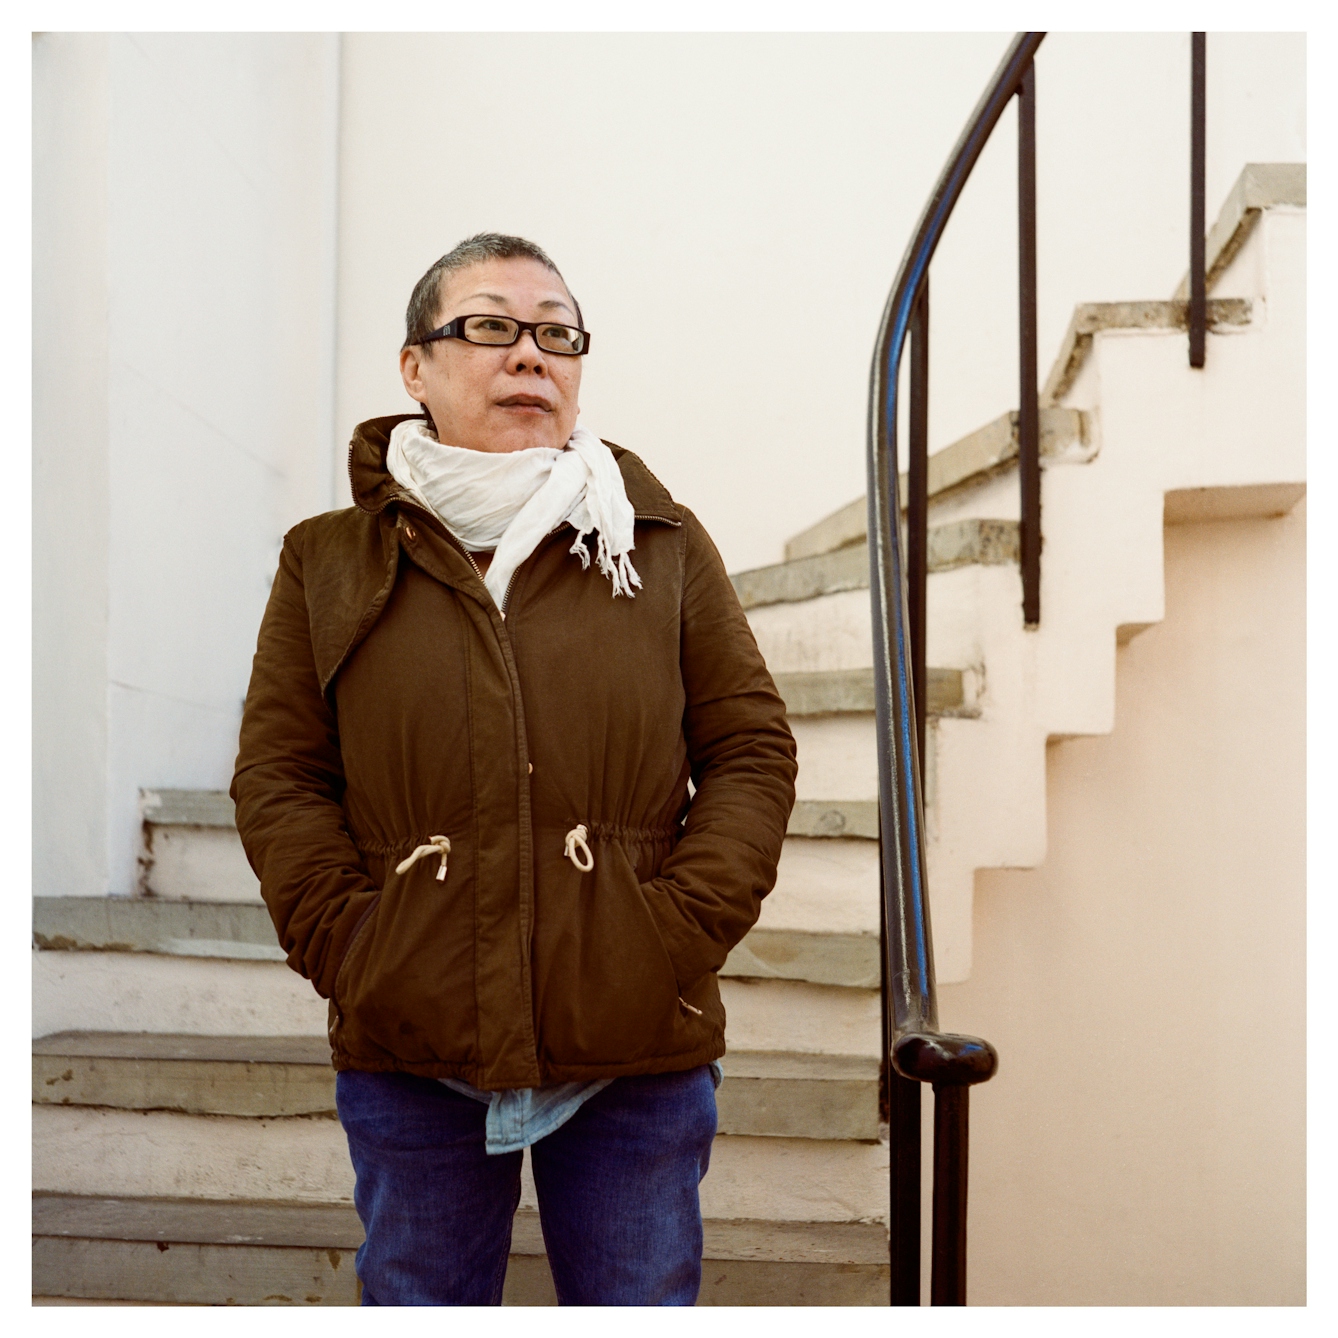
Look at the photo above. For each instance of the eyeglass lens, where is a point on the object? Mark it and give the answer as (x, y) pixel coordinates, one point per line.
(501, 330)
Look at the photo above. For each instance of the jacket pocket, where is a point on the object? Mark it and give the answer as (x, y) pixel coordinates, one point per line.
(606, 990)
(405, 991)
(359, 935)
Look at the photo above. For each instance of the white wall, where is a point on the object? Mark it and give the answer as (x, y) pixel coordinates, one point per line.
(70, 464)
(210, 251)
(731, 210)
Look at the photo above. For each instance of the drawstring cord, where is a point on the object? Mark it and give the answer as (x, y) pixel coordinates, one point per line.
(688, 1006)
(576, 841)
(436, 845)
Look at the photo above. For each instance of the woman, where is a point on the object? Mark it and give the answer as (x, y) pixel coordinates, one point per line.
(479, 699)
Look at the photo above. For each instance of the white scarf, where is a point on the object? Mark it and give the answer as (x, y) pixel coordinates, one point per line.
(510, 501)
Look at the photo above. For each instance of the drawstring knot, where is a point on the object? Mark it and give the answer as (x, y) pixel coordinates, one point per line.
(576, 842)
(436, 845)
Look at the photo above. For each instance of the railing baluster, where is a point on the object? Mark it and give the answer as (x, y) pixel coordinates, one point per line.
(917, 507)
(905, 1139)
(1028, 410)
(1198, 294)
(951, 1150)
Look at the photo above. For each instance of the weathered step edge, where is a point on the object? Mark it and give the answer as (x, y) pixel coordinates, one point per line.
(850, 692)
(233, 929)
(969, 461)
(74, 1271)
(764, 1094)
(1093, 318)
(835, 818)
(336, 1226)
(187, 928)
(187, 808)
(971, 542)
(1260, 186)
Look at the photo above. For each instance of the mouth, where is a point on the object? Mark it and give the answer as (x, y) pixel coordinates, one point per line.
(525, 403)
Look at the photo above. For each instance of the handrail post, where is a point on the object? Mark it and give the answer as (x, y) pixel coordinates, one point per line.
(917, 507)
(900, 1106)
(951, 1150)
(905, 1141)
(1198, 279)
(1028, 409)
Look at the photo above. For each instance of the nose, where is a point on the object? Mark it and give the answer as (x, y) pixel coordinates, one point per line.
(526, 356)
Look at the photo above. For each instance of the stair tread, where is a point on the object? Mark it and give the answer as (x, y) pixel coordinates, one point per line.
(314, 1051)
(974, 541)
(845, 818)
(851, 691)
(167, 1046)
(971, 459)
(188, 808)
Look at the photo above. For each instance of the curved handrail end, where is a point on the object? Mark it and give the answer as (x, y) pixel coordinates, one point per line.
(944, 1059)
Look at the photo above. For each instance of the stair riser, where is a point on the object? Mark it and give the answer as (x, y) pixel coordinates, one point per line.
(122, 991)
(790, 1108)
(78, 1150)
(838, 757)
(270, 1275)
(825, 885)
(822, 635)
(200, 864)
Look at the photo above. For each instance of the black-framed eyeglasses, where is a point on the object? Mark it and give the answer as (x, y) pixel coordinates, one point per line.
(500, 330)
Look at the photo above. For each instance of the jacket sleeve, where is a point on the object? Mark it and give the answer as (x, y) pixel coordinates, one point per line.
(288, 788)
(709, 891)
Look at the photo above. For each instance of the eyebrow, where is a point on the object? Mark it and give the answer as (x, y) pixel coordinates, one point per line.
(502, 301)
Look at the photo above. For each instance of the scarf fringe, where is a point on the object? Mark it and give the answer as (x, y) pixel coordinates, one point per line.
(619, 570)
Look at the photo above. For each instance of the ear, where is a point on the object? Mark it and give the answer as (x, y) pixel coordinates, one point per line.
(411, 360)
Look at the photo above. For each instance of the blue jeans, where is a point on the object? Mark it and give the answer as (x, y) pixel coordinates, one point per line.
(617, 1188)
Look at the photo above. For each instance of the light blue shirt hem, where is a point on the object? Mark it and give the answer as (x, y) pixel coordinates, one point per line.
(523, 1115)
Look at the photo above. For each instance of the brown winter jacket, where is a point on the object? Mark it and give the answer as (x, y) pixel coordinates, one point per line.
(389, 703)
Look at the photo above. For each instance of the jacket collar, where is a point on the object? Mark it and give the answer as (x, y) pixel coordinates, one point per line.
(374, 489)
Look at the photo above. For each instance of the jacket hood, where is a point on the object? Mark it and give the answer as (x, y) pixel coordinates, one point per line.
(374, 489)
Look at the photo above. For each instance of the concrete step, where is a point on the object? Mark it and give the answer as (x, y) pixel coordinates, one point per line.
(969, 461)
(211, 1252)
(980, 456)
(105, 1152)
(850, 692)
(823, 945)
(190, 848)
(849, 818)
(174, 928)
(1092, 318)
(958, 544)
(142, 992)
(767, 1094)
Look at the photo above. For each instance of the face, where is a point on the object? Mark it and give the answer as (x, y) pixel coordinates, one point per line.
(489, 398)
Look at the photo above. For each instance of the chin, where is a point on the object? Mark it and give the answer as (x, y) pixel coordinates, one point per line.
(526, 436)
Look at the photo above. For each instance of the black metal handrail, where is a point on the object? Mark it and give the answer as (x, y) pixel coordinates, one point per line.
(914, 1049)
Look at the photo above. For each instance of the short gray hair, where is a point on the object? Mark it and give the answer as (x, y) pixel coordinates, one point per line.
(421, 317)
